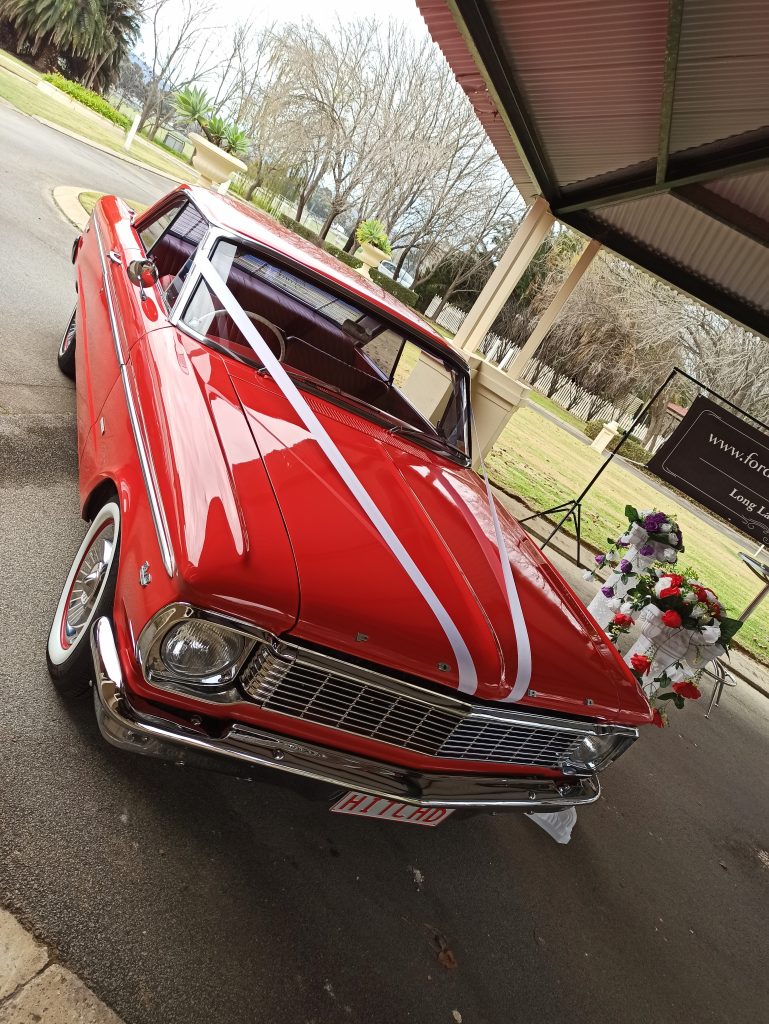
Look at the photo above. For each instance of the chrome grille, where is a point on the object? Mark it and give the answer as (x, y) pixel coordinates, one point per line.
(290, 680)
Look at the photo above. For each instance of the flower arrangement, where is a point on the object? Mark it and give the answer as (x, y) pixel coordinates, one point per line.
(651, 533)
(686, 627)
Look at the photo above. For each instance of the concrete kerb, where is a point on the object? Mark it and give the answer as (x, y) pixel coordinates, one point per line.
(66, 200)
(34, 988)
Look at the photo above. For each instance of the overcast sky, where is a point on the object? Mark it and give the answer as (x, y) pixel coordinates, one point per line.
(323, 12)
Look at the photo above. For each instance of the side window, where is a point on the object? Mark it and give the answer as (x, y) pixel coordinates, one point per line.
(151, 232)
(172, 239)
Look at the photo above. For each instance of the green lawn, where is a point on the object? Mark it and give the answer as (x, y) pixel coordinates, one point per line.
(545, 465)
(555, 409)
(30, 100)
(89, 199)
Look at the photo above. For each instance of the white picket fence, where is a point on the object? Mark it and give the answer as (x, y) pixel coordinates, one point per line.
(561, 389)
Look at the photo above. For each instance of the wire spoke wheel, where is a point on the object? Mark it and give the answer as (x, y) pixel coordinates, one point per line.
(88, 592)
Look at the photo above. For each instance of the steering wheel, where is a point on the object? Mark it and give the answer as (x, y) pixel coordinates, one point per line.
(275, 332)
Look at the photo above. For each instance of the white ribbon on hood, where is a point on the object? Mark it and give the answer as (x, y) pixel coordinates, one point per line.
(468, 677)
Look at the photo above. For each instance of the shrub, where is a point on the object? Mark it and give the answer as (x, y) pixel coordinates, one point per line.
(299, 229)
(632, 449)
(345, 257)
(406, 295)
(373, 232)
(89, 99)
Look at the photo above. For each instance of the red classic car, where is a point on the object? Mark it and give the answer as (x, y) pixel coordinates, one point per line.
(290, 561)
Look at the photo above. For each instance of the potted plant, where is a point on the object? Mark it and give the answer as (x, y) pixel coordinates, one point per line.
(374, 245)
(218, 148)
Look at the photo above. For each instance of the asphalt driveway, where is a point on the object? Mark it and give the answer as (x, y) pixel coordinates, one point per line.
(184, 896)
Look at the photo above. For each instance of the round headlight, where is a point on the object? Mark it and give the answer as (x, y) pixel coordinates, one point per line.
(593, 749)
(196, 649)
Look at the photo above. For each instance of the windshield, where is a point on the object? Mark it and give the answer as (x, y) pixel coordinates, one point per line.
(332, 344)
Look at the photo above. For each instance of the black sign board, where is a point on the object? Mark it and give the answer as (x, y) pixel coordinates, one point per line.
(723, 463)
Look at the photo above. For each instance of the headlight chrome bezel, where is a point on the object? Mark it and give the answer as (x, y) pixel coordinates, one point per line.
(157, 672)
(612, 741)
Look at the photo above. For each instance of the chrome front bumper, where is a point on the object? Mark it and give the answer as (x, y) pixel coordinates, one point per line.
(156, 736)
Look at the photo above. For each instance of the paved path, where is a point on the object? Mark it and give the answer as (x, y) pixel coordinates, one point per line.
(184, 897)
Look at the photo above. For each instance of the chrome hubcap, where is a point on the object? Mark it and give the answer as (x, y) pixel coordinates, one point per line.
(87, 584)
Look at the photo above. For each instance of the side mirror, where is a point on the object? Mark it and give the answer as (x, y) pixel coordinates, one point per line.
(143, 273)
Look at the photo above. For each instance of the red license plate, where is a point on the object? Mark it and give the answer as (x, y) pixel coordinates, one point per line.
(380, 807)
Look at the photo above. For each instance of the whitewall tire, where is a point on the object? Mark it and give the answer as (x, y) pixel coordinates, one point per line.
(89, 592)
(65, 357)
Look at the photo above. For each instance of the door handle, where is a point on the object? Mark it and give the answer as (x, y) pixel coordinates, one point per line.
(115, 257)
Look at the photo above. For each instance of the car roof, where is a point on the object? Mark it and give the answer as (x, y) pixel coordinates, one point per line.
(236, 215)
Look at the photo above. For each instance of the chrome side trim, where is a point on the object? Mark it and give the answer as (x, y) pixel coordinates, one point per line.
(156, 509)
(153, 735)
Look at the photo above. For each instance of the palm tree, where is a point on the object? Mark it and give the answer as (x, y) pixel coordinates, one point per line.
(69, 26)
(91, 35)
(118, 31)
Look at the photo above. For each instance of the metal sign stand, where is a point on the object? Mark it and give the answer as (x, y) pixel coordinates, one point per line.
(573, 509)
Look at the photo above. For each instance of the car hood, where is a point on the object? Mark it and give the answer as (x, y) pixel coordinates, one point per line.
(357, 598)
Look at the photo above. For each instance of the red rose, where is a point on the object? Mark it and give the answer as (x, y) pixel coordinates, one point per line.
(670, 592)
(640, 663)
(675, 579)
(672, 618)
(622, 620)
(701, 595)
(687, 690)
(657, 719)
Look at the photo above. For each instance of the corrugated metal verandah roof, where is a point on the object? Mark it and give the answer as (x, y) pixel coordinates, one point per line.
(644, 123)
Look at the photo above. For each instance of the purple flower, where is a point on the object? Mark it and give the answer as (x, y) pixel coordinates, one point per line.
(625, 565)
(600, 559)
(653, 522)
(607, 591)
(646, 550)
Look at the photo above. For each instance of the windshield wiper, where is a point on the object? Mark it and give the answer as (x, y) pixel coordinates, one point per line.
(435, 440)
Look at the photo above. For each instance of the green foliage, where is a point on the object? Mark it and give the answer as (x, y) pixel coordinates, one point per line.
(196, 107)
(216, 130)
(406, 295)
(89, 99)
(193, 104)
(236, 139)
(89, 39)
(632, 449)
(345, 257)
(373, 233)
(299, 229)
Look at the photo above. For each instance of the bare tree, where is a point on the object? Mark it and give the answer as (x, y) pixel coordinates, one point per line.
(179, 51)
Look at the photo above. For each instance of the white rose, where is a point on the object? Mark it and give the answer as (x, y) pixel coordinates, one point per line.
(614, 603)
(659, 572)
(587, 574)
(626, 608)
(646, 512)
(690, 598)
(711, 634)
(693, 582)
(666, 527)
(663, 584)
(612, 556)
(698, 611)
(673, 538)
(669, 555)
(624, 540)
(710, 596)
